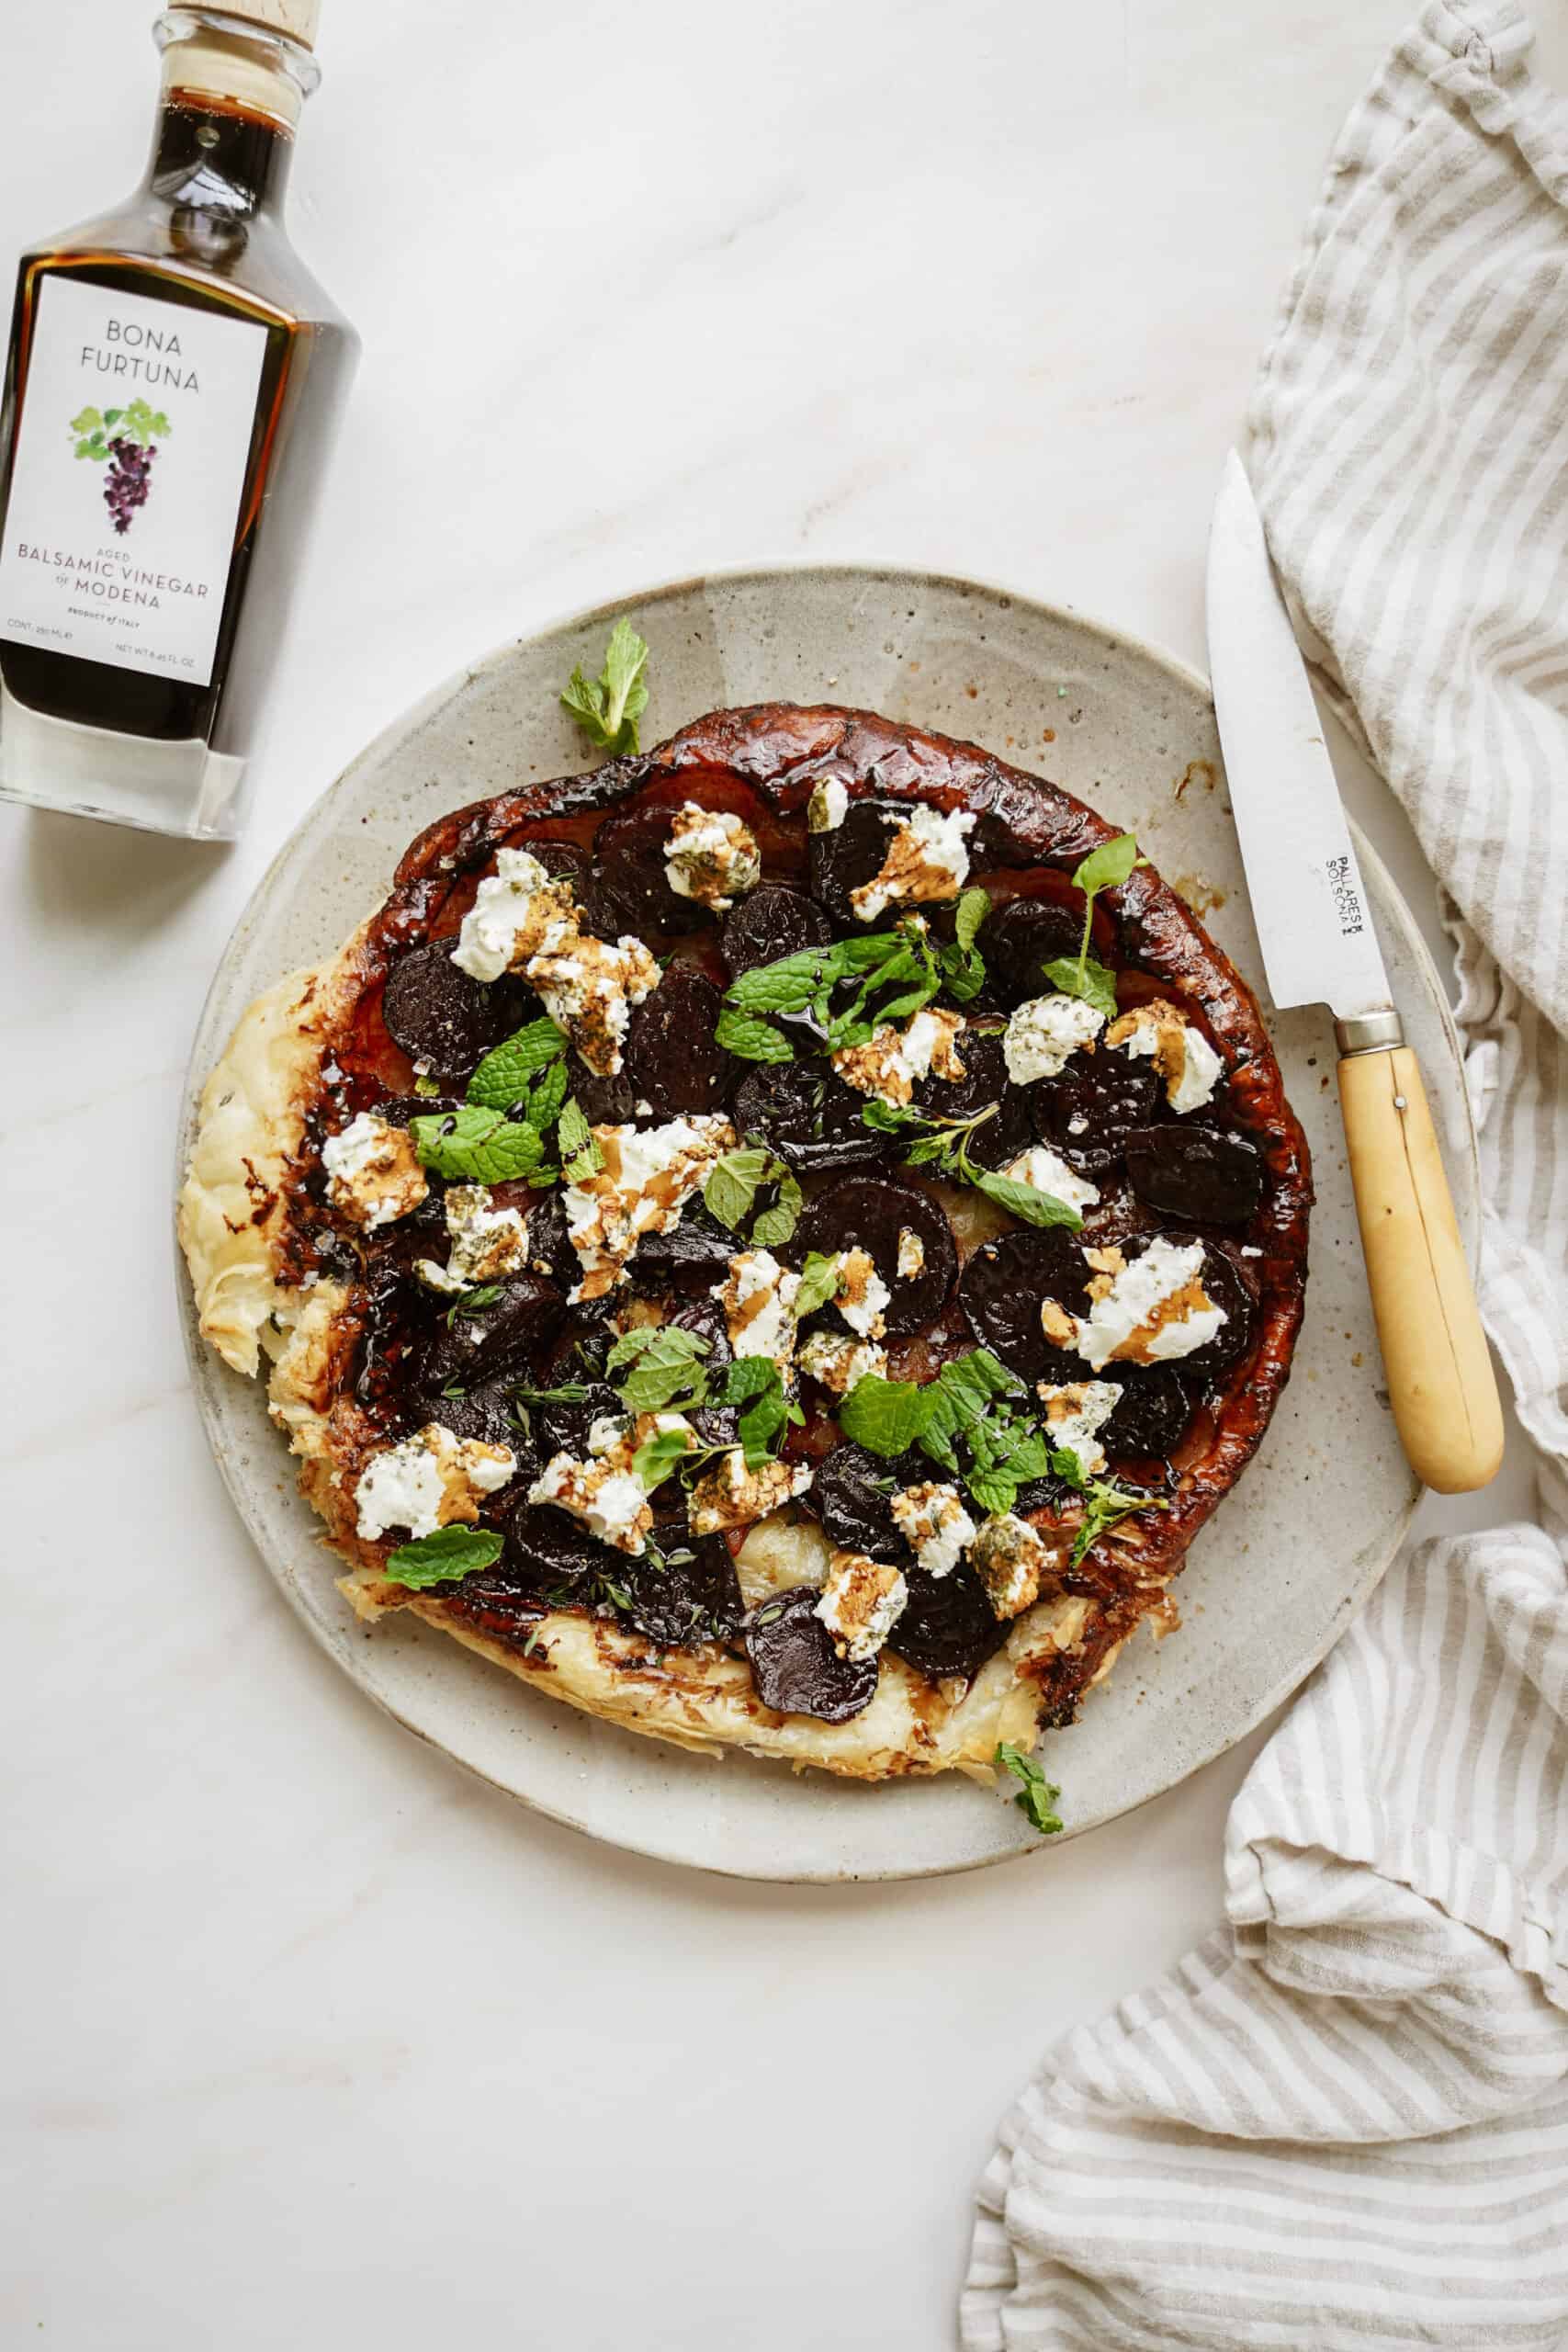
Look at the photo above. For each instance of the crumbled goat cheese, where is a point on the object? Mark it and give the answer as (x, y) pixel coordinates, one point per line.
(891, 1061)
(590, 988)
(932, 1521)
(757, 1300)
(1145, 1310)
(862, 1601)
(504, 916)
(488, 1243)
(732, 1496)
(1043, 1033)
(1182, 1055)
(522, 921)
(373, 1171)
(837, 1360)
(925, 860)
(1009, 1560)
(862, 1293)
(647, 1177)
(712, 857)
(911, 1254)
(828, 807)
(428, 1481)
(1075, 1410)
(1047, 1171)
(603, 1492)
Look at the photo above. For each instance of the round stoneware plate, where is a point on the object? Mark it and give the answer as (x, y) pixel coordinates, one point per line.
(1294, 1551)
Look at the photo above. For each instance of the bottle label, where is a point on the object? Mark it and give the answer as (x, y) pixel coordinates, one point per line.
(130, 463)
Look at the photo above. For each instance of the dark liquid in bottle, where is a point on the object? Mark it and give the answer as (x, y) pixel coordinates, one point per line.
(205, 234)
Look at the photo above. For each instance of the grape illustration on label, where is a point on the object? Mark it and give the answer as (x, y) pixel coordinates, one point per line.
(129, 454)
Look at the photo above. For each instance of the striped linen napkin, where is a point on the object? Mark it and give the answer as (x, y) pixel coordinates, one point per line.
(1343, 2121)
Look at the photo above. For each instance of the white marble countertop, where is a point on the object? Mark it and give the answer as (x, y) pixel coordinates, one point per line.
(313, 2038)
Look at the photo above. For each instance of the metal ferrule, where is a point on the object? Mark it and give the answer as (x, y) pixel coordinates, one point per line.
(1369, 1032)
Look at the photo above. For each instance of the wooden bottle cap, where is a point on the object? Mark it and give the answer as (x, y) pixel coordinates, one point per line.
(299, 19)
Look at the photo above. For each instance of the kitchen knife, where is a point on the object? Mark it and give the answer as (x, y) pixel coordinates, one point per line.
(1319, 947)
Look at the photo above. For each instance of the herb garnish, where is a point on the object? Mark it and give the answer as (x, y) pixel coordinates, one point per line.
(576, 1142)
(476, 1146)
(499, 1134)
(733, 1184)
(1105, 868)
(451, 1551)
(607, 708)
(504, 1074)
(904, 961)
(662, 1367)
(942, 1145)
(1036, 1799)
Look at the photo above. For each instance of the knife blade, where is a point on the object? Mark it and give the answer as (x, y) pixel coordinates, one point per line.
(1319, 947)
(1316, 933)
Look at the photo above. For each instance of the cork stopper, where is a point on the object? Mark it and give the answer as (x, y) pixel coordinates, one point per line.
(299, 19)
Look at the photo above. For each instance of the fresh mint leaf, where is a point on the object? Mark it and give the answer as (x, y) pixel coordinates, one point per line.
(546, 1097)
(426, 1085)
(607, 708)
(777, 1225)
(789, 984)
(884, 1416)
(819, 1283)
(576, 1142)
(755, 1383)
(662, 1367)
(1108, 867)
(1026, 1202)
(749, 1039)
(659, 1455)
(971, 910)
(1088, 979)
(1036, 1799)
(503, 1077)
(574, 1134)
(450, 1553)
(733, 1184)
(476, 1146)
(1108, 1504)
(962, 1393)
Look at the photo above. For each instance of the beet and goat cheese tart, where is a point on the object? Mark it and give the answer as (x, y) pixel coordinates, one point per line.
(779, 1242)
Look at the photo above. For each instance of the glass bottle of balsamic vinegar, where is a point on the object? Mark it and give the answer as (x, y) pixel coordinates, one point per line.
(173, 382)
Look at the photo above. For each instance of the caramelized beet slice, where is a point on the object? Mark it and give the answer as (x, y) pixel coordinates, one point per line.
(545, 1548)
(984, 1080)
(1004, 1286)
(1019, 939)
(794, 1666)
(505, 1338)
(805, 1112)
(1199, 1173)
(690, 1593)
(871, 1213)
(605, 1102)
(628, 851)
(948, 1626)
(673, 1059)
(1087, 1112)
(1229, 1289)
(485, 1413)
(696, 1250)
(439, 1014)
(562, 861)
(853, 1499)
(549, 1250)
(771, 921)
(1152, 1416)
(851, 854)
(563, 1429)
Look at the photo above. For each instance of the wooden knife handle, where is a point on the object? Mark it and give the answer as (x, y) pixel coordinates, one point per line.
(1434, 1349)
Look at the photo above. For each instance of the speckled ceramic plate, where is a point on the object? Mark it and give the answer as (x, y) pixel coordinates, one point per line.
(1293, 1551)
